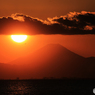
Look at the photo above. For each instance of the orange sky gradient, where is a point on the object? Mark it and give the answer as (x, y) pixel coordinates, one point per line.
(44, 8)
(80, 44)
(70, 23)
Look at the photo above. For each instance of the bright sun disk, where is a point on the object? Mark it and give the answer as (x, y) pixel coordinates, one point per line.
(19, 38)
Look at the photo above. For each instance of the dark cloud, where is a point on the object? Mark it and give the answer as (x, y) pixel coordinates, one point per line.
(70, 24)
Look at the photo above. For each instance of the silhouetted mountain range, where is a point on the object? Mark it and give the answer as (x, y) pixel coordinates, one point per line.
(52, 60)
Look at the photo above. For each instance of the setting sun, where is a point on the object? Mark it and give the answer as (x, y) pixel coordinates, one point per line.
(19, 38)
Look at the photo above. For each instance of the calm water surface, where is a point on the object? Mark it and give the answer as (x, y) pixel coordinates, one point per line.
(47, 87)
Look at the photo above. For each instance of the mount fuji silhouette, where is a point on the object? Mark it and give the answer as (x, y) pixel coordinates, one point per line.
(52, 60)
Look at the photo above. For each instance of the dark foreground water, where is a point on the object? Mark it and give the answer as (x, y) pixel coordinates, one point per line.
(47, 87)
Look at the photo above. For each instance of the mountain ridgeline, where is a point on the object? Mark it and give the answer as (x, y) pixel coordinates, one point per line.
(52, 60)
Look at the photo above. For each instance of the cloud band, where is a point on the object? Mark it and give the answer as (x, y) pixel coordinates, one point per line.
(73, 23)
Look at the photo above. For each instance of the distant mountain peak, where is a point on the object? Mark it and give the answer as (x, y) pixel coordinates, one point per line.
(56, 50)
(54, 45)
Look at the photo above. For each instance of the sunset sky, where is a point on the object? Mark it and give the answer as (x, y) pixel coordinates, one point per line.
(45, 8)
(70, 23)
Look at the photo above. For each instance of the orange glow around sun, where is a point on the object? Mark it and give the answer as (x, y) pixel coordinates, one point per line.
(19, 38)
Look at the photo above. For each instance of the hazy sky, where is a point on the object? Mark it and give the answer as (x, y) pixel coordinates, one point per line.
(70, 23)
(81, 44)
(45, 8)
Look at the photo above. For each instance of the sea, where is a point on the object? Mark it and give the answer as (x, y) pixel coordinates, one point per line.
(48, 87)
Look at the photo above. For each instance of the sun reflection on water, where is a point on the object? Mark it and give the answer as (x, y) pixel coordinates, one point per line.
(21, 88)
